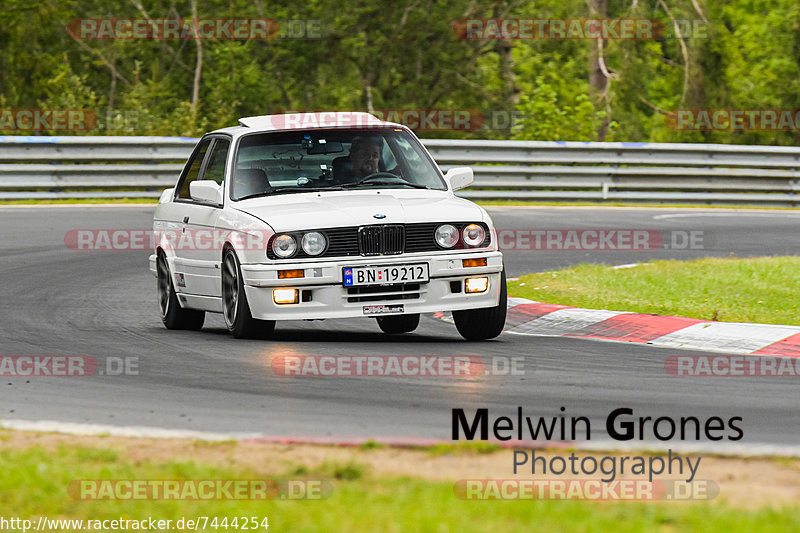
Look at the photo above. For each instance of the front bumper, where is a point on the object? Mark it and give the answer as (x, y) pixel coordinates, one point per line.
(328, 298)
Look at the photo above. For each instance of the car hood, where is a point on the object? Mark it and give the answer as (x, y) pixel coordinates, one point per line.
(290, 212)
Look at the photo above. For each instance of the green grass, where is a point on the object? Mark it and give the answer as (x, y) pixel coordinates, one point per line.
(34, 484)
(464, 448)
(371, 445)
(763, 289)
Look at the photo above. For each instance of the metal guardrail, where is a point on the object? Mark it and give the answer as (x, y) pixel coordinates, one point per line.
(73, 167)
(109, 167)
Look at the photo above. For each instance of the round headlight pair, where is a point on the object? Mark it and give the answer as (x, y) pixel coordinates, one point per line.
(285, 245)
(447, 235)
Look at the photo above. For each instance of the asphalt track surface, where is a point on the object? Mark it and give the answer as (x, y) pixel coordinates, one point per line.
(57, 301)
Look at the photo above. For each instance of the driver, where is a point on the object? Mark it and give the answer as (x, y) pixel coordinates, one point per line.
(365, 153)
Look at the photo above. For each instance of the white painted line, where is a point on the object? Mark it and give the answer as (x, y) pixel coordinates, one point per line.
(513, 302)
(75, 206)
(75, 428)
(630, 265)
(728, 337)
(781, 214)
(565, 322)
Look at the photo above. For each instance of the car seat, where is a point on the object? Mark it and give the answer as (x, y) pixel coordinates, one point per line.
(250, 181)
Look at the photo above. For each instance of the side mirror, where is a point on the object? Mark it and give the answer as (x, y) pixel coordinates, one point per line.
(206, 191)
(459, 177)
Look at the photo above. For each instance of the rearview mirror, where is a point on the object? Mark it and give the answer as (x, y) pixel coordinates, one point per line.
(459, 177)
(206, 191)
(323, 147)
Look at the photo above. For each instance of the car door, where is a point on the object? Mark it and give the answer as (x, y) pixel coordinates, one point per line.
(169, 222)
(203, 253)
(196, 268)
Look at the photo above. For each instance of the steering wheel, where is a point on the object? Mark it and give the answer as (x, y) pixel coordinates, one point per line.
(376, 175)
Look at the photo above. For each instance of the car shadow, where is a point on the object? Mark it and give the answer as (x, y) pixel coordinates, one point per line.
(290, 334)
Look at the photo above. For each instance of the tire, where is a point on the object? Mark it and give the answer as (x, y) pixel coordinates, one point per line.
(398, 324)
(172, 314)
(486, 323)
(236, 310)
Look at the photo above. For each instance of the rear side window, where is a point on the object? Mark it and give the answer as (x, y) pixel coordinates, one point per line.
(194, 169)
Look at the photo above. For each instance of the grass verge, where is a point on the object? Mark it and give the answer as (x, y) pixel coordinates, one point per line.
(762, 289)
(35, 480)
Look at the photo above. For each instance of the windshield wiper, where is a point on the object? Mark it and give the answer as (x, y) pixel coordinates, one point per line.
(280, 190)
(307, 189)
(384, 182)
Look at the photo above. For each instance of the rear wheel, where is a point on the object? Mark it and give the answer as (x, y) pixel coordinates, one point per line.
(172, 314)
(398, 324)
(236, 310)
(486, 323)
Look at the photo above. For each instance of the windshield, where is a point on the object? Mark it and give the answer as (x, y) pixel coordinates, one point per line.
(304, 161)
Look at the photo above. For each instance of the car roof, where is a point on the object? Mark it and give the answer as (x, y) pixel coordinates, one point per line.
(307, 121)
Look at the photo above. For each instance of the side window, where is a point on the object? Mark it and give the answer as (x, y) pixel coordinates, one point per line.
(194, 169)
(215, 170)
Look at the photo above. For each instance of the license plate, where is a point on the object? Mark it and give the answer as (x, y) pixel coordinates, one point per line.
(383, 309)
(385, 275)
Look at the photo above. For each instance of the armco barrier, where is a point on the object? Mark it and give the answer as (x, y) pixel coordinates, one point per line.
(71, 167)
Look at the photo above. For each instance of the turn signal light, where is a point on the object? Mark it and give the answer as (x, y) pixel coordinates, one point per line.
(473, 262)
(291, 274)
(285, 296)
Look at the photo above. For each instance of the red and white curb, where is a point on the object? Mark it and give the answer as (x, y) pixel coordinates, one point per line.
(526, 317)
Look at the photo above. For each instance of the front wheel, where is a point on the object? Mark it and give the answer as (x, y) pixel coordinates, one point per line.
(486, 323)
(236, 310)
(398, 324)
(172, 314)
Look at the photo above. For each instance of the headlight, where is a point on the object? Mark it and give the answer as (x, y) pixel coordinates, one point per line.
(446, 236)
(473, 235)
(284, 246)
(314, 243)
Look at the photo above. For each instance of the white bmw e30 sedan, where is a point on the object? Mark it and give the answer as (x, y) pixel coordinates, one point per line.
(323, 215)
